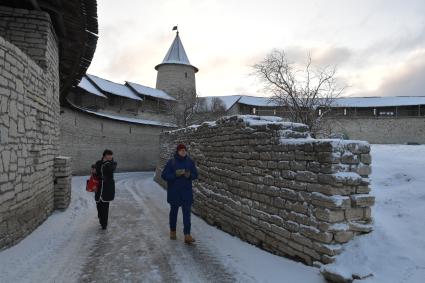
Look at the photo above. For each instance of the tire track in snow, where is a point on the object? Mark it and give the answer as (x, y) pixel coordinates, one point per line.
(193, 263)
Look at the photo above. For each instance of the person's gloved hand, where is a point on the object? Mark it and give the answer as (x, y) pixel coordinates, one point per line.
(187, 174)
(180, 172)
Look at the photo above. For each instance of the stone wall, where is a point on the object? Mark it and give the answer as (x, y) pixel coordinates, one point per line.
(84, 137)
(63, 180)
(399, 130)
(29, 121)
(269, 183)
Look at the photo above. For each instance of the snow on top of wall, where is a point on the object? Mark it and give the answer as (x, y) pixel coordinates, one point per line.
(254, 120)
(113, 88)
(149, 91)
(89, 87)
(336, 199)
(347, 176)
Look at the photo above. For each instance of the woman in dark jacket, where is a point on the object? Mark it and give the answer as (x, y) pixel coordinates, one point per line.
(106, 192)
(179, 172)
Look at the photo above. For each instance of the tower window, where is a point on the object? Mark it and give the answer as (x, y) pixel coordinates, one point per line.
(185, 75)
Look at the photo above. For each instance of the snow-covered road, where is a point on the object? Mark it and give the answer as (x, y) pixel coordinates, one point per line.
(70, 247)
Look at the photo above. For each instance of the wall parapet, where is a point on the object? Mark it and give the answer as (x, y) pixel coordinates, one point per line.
(269, 183)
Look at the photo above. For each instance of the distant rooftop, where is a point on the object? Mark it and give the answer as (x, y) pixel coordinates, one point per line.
(384, 101)
(89, 87)
(148, 91)
(113, 88)
(176, 54)
(124, 118)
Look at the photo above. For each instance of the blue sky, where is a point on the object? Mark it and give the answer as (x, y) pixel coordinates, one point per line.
(378, 46)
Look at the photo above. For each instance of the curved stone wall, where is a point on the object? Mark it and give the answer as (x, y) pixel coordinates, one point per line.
(29, 123)
(84, 136)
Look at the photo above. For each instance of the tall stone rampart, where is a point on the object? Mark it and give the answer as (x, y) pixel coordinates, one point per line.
(29, 121)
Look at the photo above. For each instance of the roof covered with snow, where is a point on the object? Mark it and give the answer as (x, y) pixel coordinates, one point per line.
(125, 119)
(89, 87)
(113, 88)
(148, 91)
(383, 101)
(257, 101)
(176, 54)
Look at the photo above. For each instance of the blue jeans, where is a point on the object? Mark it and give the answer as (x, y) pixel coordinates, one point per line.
(174, 210)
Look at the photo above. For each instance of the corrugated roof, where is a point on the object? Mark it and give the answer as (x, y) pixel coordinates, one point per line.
(176, 54)
(257, 101)
(379, 101)
(113, 88)
(148, 91)
(89, 87)
(384, 101)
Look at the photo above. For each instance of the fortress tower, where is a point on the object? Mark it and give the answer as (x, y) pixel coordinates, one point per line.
(175, 73)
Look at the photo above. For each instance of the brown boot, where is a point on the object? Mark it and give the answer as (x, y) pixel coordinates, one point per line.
(188, 239)
(173, 235)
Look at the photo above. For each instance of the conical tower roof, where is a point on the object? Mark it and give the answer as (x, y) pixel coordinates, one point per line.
(176, 54)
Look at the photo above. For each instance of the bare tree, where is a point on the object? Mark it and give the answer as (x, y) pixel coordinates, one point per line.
(306, 93)
(208, 109)
(190, 109)
(183, 109)
(217, 105)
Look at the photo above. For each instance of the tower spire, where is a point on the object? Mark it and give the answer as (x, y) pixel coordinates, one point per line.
(176, 53)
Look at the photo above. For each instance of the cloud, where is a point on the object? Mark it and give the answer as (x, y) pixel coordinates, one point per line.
(407, 79)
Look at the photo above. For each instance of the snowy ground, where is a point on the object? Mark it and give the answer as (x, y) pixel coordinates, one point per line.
(70, 247)
(395, 250)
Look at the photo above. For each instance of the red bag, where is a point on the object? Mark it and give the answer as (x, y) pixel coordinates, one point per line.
(92, 184)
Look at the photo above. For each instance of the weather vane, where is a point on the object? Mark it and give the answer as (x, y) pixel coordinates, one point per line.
(176, 29)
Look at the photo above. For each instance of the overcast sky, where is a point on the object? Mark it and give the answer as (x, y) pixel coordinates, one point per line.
(378, 45)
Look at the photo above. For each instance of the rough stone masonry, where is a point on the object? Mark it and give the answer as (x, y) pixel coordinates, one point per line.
(29, 121)
(269, 183)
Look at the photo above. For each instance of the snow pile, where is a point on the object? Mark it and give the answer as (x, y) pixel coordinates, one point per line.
(394, 251)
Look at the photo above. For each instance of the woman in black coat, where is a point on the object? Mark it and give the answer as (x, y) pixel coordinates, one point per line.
(105, 169)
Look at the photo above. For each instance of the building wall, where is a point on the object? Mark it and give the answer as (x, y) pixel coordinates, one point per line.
(267, 184)
(172, 78)
(29, 121)
(84, 137)
(381, 130)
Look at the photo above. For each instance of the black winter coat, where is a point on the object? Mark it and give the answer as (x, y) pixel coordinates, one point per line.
(105, 171)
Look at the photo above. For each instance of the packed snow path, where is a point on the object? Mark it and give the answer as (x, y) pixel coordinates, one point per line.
(136, 244)
(71, 247)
